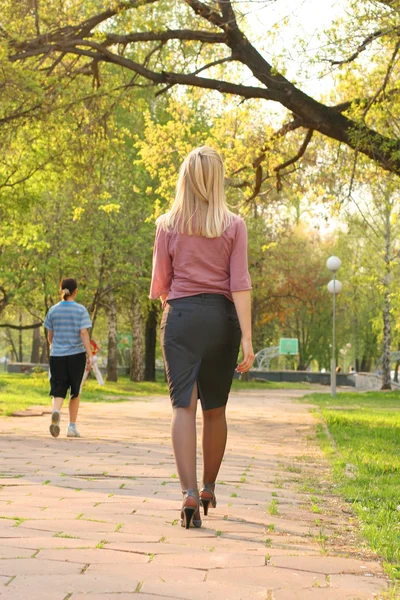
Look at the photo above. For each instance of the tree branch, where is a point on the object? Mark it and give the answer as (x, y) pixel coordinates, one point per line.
(38, 48)
(21, 327)
(20, 114)
(84, 28)
(227, 11)
(206, 37)
(390, 3)
(203, 68)
(106, 55)
(36, 10)
(204, 11)
(292, 160)
(307, 112)
(364, 45)
(221, 61)
(385, 80)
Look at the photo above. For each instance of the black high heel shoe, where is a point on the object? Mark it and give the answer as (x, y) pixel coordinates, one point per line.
(188, 512)
(206, 500)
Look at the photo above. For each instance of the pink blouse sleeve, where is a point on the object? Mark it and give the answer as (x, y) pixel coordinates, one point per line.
(162, 266)
(240, 276)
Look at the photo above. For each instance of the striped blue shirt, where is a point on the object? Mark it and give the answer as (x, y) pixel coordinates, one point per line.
(65, 320)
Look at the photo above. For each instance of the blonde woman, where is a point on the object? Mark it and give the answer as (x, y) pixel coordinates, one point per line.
(200, 273)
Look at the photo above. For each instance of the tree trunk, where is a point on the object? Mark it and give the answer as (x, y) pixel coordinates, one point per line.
(136, 370)
(386, 381)
(365, 366)
(36, 343)
(11, 342)
(150, 344)
(3, 299)
(112, 356)
(44, 353)
(21, 354)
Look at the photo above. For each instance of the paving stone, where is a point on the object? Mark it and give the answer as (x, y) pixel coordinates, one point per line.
(120, 537)
(120, 597)
(326, 564)
(150, 572)
(209, 560)
(205, 591)
(31, 566)
(31, 594)
(118, 481)
(157, 547)
(353, 584)
(35, 543)
(69, 526)
(267, 576)
(318, 594)
(93, 556)
(86, 583)
(13, 552)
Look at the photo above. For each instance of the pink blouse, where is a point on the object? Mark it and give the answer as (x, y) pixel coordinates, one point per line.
(186, 265)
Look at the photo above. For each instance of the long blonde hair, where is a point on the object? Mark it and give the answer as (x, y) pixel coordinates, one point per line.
(199, 207)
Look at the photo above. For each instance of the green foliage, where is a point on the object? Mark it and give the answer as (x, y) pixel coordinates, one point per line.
(91, 159)
(19, 392)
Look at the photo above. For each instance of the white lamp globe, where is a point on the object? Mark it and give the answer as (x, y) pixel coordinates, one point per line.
(334, 286)
(333, 264)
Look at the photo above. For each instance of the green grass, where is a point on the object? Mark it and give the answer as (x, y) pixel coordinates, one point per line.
(269, 385)
(366, 429)
(19, 391)
(273, 507)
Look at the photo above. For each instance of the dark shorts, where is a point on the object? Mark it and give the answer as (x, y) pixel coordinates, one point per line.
(66, 373)
(200, 340)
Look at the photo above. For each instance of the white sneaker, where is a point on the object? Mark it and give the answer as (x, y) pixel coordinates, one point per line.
(72, 432)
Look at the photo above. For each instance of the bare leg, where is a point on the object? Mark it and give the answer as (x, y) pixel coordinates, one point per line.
(57, 403)
(183, 432)
(73, 409)
(214, 441)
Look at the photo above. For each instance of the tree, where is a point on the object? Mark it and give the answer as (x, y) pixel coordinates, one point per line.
(83, 215)
(140, 37)
(380, 225)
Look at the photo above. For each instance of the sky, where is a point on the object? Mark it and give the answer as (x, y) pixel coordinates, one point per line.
(306, 19)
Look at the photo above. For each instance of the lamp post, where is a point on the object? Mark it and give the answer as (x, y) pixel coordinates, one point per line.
(334, 287)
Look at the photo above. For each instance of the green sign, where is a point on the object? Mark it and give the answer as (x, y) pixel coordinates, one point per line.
(288, 346)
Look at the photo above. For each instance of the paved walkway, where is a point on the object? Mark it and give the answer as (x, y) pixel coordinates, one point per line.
(97, 518)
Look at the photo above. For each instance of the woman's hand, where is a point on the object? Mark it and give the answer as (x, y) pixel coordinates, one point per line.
(163, 299)
(89, 363)
(248, 357)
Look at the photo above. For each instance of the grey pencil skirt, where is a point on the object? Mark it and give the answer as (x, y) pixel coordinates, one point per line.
(200, 339)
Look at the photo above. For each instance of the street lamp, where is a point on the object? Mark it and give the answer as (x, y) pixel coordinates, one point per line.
(334, 287)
